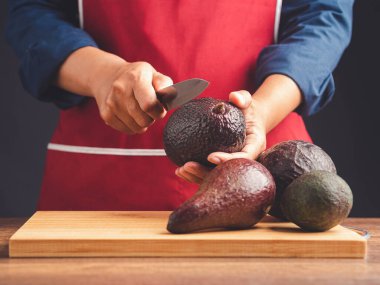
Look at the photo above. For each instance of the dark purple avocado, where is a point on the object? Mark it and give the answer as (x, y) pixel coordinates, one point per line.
(290, 159)
(203, 126)
(235, 195)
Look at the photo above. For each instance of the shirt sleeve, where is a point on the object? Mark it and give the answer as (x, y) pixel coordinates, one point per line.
(43, 34)
(312, 37)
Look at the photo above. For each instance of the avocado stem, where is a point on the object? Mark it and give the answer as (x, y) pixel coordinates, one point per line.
(219, 108)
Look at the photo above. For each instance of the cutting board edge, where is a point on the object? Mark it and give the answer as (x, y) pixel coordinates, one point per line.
(192, 248)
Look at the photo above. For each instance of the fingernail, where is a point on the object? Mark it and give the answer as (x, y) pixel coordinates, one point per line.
(214, 159)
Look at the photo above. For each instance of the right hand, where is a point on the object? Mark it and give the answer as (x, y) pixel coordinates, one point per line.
(126, 95)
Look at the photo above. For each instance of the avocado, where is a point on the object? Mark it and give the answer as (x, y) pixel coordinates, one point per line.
(317, 201)
(290, 159)
(235, 195)
(203, 126)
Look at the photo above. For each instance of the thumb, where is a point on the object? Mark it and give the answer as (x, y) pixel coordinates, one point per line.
(241, 99)
(161, 81)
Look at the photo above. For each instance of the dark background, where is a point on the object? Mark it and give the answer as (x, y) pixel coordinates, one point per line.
(347, 129)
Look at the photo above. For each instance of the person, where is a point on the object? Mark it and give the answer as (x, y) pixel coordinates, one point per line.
(273, 60)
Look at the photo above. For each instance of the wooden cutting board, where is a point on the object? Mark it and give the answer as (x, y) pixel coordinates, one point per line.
(75, 234)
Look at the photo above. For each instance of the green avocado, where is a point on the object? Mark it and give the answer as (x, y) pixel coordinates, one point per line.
(203, 126)
(317, 201)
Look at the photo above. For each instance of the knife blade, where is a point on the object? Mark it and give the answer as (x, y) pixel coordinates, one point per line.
(180, 93)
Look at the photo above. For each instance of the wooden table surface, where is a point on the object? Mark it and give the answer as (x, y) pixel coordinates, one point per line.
(191, 270)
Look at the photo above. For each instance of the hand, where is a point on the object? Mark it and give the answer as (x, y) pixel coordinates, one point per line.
(124, 92)
(255, 141)
(126, 98)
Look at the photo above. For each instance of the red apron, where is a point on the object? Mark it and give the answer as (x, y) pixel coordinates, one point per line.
(92, 167)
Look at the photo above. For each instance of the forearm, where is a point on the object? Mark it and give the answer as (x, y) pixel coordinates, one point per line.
(86, 67)
(43, 33)
(277, 96)
(312, 38)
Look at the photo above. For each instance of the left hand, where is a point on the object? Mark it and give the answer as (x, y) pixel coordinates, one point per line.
(255, 141)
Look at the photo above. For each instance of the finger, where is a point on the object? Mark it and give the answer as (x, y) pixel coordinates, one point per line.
(241, 99)
(252, 149)
(133, 110)
(161, 81)
(112, 121)
(133, 127)
(196, 169)
(220, 157)
(254, 146)
(180, 172)
(147, 99)
(115, 104)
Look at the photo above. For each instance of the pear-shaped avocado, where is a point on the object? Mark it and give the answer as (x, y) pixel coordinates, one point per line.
(236, 195)
(203, 126)
(317, 201)
(290, 159)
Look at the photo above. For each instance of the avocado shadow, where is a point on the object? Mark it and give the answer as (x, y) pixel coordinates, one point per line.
(287, 230)
(205, 231)
(271, 219)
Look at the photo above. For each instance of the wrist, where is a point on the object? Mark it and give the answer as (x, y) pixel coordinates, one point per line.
(105, 69)
(86, 69)
(261, 113)
(278, 96)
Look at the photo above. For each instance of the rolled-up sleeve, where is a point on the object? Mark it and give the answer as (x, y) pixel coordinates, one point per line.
(312, 37)
(43, 34)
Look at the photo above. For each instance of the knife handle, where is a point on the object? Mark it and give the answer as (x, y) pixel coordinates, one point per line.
(161, 98)
(166, 95)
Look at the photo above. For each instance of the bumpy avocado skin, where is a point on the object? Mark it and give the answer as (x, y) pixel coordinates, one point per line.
(203, 126)
(235, 195)
(290, 159)
(317, 201)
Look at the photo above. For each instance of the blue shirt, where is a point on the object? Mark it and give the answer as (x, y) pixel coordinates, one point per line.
(312, 37)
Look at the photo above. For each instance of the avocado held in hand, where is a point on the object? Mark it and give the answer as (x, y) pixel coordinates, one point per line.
(317, 201)
(290, 159)
(235, 195)
(203, 126)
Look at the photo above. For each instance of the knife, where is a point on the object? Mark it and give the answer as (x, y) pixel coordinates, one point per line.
(180, 93)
